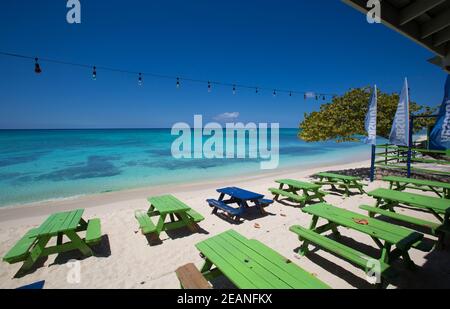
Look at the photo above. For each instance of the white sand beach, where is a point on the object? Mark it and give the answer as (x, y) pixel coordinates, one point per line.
(125, 259)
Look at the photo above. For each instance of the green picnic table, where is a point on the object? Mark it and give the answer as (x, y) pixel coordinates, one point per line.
(249, 264)
(33, 245)
(385, 236)
(163, 207)
(387, 200)
(309, 191)
(341, 181)
(441, 189)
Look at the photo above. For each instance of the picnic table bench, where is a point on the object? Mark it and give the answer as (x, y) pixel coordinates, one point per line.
(180, 214)
(441, 189)
(309, 191)
(341, 181)
(249, 264)
(387, 200)
(385, 235)
(241, 198)
(33, 245)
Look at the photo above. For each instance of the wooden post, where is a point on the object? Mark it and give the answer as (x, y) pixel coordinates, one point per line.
(372, 164)
(408, 162)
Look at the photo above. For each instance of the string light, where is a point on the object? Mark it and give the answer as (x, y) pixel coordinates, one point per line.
(323, 98)
(37, 68)
(304, 96)
(274, 93)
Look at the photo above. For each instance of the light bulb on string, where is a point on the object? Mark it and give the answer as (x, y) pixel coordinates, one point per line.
(290, 93)
(140, 79)
(256, 90)
(274, 93)
(209, 87)
(323, 98)
(234, 89)
(178, 83)
(304, 96)
(37, 68)
(94, 73)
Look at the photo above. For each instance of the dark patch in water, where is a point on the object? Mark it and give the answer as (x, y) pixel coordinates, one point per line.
(95, 167)
(167, 152)
(22, 159)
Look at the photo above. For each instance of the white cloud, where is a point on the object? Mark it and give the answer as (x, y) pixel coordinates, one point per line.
(227, 116)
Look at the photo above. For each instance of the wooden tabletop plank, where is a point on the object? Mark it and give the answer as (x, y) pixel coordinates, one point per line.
(247, 264)
(231, 269)
(337, 176)
(286, 273)
(167, 204)
(241, 194)
(421, 182)
(391, 233)
(74, 220)
(251, 264)
(440, 205)
(299, 184)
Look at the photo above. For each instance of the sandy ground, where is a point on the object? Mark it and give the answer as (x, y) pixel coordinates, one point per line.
(125, 259)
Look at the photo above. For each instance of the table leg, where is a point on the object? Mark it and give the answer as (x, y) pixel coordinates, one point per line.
(191, 225)
(36, 252)
(59, 239)
(304, 247)
(79, 243)
(160, 224)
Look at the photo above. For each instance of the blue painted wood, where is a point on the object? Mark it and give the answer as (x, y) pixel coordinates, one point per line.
(34, 286)
(241, 194)
(221, 205)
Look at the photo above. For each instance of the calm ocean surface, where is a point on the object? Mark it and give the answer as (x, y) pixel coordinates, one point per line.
(37, 165)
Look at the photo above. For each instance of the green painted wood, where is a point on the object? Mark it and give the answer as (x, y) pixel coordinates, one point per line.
(195, 216)
(439, 205)
(145, 223)
(298, 184)
(167, 204)
(250, 264)
(352, 255)
(297, 277)
(292, 196)
(21, 249)
(421, 182)
(378, 229)
(60, 222)
(93, 232)
(420, 222)
(337, 176)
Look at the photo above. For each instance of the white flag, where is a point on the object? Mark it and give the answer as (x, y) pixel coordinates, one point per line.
(371, 119)
(400, 128)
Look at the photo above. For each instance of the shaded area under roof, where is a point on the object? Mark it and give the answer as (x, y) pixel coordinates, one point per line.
(427, 22)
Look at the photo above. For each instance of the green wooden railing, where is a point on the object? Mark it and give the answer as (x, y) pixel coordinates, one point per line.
(396, 157)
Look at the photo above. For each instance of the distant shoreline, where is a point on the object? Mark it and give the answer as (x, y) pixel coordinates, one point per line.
(41, 208)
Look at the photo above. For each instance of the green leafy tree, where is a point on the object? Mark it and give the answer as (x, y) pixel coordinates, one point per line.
(343, 119)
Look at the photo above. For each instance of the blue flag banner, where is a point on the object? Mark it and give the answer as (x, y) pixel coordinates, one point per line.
(440, 135)
(371, 119)
(400, 128)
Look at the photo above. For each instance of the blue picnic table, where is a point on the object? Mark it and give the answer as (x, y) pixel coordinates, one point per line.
(242, 199)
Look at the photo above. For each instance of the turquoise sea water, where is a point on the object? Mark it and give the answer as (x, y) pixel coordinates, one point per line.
(37, 165)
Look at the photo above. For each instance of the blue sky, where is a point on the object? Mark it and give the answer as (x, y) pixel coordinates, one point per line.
(322, 46)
